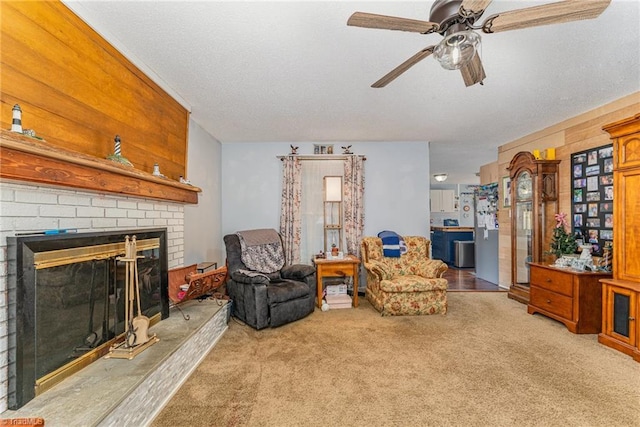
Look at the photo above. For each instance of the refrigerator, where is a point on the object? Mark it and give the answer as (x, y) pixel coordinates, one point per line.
(486, 232)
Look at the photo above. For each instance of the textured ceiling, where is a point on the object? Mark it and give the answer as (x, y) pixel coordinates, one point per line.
(294, 72)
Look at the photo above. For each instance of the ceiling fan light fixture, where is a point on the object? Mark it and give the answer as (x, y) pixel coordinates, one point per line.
(456, 49)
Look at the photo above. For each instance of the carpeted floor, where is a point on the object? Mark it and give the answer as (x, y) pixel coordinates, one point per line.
(486, 363)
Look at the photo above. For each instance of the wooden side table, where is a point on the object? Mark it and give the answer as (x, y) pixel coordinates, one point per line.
(349, 266)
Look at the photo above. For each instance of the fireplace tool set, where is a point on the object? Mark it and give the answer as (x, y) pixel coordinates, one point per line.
(136, 338)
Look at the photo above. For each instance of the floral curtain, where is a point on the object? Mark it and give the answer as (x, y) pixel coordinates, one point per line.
(353, 202)
(290, 218)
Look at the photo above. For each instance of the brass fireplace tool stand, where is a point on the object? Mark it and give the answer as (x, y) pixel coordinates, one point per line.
(136, 338)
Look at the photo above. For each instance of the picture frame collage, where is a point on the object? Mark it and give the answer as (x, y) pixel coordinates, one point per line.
(592, 196)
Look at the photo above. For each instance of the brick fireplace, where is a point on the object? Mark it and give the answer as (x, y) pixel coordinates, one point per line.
(30, 208)
(70, 299)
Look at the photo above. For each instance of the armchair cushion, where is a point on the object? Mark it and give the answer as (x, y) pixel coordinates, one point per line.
(286, 290)
(413, 283)
(297, 271)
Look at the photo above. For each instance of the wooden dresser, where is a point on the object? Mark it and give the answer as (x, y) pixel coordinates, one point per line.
(621, 295)
(568, 296)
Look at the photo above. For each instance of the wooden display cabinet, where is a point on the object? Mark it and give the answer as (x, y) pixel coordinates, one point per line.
(620, 309)
(621, 294)
(534, 195)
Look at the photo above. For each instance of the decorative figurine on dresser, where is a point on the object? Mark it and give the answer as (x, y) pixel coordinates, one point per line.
(621, 294)
(534, 195)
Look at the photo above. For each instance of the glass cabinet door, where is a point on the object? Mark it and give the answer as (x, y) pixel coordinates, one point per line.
(523, 227)
(621, 325)
(523, 241)
(621, 313)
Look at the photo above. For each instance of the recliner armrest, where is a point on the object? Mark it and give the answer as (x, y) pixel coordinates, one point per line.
(379, 269)
(433, 268)
(239, 277)
(297, 271)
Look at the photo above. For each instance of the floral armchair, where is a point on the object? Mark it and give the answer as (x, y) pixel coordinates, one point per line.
(409, 285)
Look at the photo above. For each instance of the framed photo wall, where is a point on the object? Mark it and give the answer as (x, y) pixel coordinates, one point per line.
(592, 193)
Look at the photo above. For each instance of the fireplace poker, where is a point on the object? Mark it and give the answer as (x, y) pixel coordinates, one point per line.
(92, 338)
(104, 333)
(105, 315)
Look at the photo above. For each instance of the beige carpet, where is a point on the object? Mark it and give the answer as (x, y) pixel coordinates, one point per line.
(486, 363)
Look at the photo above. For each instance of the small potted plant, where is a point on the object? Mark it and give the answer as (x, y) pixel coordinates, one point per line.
(562, 243)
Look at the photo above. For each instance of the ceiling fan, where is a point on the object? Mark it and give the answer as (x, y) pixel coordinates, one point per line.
(456, 19)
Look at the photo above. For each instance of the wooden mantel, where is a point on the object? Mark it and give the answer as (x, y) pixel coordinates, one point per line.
(27, 159)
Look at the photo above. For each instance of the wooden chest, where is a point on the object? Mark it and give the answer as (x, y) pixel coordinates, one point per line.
(568, 296)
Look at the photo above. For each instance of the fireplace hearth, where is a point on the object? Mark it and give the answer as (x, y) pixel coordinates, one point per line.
(66, 302)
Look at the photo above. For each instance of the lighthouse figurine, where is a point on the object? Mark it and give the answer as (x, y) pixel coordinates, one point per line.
(117, 153)
(16, 123)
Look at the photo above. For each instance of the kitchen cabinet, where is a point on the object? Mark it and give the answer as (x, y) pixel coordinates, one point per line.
(442, 241)
(443, 201)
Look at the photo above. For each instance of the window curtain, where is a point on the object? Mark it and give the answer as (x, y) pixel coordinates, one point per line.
(353, 203)
(290, 218)
(302, 210)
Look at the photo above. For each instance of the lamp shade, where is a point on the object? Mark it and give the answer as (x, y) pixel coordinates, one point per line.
(332, 188)
(457, 49)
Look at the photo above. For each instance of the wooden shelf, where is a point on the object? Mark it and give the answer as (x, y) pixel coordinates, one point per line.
(27, 159)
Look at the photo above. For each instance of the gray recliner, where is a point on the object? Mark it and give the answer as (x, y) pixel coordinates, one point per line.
(268, 300)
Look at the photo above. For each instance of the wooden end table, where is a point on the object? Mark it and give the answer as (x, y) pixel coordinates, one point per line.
(348, 266)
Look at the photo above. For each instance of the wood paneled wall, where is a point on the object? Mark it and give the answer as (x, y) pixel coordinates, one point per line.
(489, 173)
(570, 136)
(77, 91)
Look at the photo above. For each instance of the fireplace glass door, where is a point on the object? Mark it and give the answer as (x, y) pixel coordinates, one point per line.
(80, 306)
(68, 295)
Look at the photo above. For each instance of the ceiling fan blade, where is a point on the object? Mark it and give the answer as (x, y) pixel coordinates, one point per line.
(391, 76)
(473, 7)
(384, 22)
(473, 71)
(554, 13)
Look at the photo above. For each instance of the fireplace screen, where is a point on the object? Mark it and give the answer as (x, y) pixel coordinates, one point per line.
(71, 299)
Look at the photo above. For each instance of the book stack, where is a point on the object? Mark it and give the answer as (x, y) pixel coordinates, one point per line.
(337, 297)
(340, 289)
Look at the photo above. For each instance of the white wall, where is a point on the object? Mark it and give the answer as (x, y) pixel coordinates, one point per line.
(202, 230)
(396, 185)
(251, 185)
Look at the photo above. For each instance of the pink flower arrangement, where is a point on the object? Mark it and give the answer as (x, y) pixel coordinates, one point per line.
(561, 241)
(561, 220)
